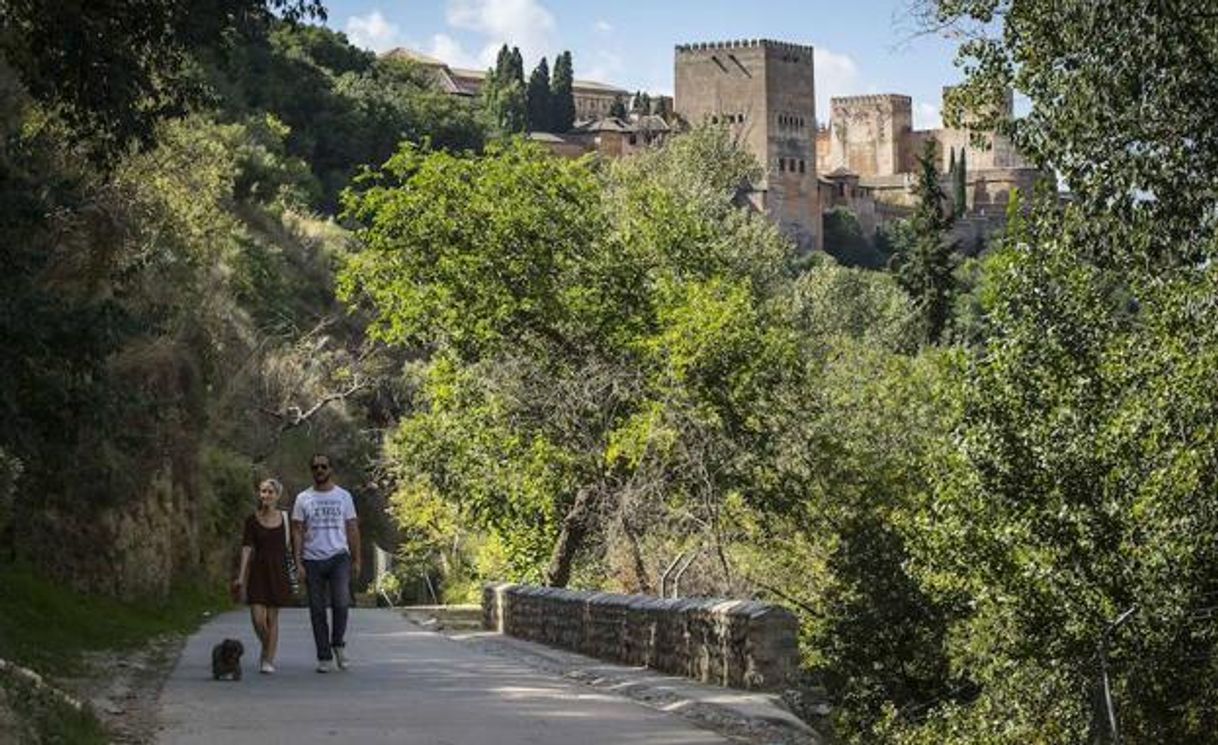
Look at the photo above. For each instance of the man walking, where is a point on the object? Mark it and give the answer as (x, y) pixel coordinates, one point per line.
(326, 541)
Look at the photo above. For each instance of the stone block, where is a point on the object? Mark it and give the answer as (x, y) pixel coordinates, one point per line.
(737, 643)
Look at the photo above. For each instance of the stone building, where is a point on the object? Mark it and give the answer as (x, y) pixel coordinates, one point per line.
(592, 99)
(763, 91)
(609, 137)
(869, 153)
(865, 158)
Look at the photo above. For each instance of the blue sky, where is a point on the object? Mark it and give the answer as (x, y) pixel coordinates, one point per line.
(864, 46)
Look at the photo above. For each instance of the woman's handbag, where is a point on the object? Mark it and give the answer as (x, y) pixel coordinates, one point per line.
(289, 562)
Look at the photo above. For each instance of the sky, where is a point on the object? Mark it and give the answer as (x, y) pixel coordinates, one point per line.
(862, 46)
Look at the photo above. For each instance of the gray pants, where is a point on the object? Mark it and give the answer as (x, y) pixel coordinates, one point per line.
(328, 580)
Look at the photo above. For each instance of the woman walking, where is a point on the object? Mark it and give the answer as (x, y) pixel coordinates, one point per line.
(263, 576)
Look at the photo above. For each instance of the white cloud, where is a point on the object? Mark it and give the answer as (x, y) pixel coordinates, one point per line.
(604, 26)
(372, 32)
(836, 75)
(523, 23)
(926, 116)
(447, 49)
(490, 55)
(607, 67)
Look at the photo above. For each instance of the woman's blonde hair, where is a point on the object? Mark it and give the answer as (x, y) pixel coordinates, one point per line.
(278, 487)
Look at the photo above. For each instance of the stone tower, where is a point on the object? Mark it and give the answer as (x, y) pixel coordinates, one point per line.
(764, 92)
(868, 132)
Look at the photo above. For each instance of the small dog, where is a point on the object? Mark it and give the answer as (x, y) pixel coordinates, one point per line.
(226, 659)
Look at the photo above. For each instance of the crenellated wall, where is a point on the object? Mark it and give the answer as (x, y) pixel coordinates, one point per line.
(737, 643)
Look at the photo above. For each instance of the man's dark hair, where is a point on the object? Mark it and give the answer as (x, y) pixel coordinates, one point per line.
(313, 459)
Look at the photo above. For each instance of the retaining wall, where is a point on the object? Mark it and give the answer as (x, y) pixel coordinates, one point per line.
(737, 643)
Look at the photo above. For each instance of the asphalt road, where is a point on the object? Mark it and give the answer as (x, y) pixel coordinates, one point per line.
(404, 685)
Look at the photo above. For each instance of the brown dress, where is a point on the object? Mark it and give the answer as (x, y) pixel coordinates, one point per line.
(268, 581)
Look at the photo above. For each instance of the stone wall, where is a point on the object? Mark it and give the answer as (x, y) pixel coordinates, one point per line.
(134, 549)
(737, 643)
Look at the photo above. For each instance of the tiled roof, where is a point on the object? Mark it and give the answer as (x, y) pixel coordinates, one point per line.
(608, 124)
(652, 123)
(544, 137)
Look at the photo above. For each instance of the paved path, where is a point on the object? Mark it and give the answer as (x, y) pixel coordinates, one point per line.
(405, 685)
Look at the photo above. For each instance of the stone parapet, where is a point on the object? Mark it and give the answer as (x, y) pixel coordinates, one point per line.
(736, 643)
(743, 44)
(871, 98)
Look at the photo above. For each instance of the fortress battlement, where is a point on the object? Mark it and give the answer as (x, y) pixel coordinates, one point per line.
(703, 46)
(872, 98)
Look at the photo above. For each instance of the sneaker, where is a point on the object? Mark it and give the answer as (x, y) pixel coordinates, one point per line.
(267, 668)
(323, 666)
(340, 657)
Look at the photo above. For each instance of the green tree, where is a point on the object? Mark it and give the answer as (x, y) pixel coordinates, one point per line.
(959, 176)
(515, 67)
(539, 100)
(618, 108)
(142, 49)
(605, 317)
(563, 117)
(640, 103)
(503, 95)
(844, 241)
(503, 61)
(344, 108)
(926, 264)
(1075, 493)
(1109, 155)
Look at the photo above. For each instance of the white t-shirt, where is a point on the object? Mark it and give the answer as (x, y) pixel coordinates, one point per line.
(325, 515)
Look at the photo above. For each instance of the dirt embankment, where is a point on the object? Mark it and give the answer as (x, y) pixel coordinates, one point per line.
(121, 689)
(124, 687)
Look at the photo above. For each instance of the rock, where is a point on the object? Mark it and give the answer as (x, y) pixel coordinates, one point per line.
(120, 690)
(11, 729)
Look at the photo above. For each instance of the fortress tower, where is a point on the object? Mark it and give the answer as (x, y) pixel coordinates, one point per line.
(764, 92)
(867, 133)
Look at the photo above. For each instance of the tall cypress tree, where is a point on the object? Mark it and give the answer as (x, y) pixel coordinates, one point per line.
(512, 112)
(516, 66)
(562, 94)
(925, 264)
(618, 108)
(959, 182)
(641, 104)
(538, 99)
(502, 62)
(504, 94)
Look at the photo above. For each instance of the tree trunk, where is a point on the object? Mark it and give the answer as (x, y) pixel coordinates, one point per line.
(640, 570)
(570, 539)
